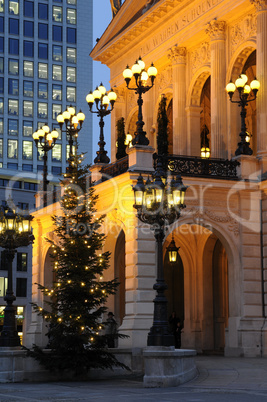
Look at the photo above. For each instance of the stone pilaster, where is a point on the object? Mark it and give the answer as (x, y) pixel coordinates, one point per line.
(216, 31)
(177, 55)
(261, 8)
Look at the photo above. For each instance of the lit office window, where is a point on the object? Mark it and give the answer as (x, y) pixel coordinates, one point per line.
(71, 35)
(1, 85)
(13, 27)
(27, 128)
(3, 286)
(43, 11)
(57, 53)
(28, 8)
(13, 66)
(71, 2)
(14, 7)
(71, 16)
(13, 127)
(56, 153)
(40, 153)
(42, 31)
(1, 126)
(42, 90)
(1, 64)
(2, 4)
(22, 258)
(57, 92)
(28, 28)
(13, 46)
(1, 148)
(13, 86)
(27, 150)
(71, 55)
(56, 109)
(57, 14)
(71, 74)
(71, 94)
(43, 70)
(13, 107)
(67, 152)
(28, 68)
(12, 150)
(1, 105)
(57, 72)
(42, 110)
(28, 88)
(27, 109)
(43, 51)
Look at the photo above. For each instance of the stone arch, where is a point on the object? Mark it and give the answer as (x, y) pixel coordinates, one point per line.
(130, 124)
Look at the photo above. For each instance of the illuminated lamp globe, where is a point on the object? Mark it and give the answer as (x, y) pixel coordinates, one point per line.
(112, 95)
(81, 116)
(54, 134)
(127, 73)
(141, 63)
(40, 133)
(247, 89)
(102, 89)
(66, 115)
(35, 136)
(152, 71)
(71, 110)
(105, 100)
(60, 118)
(45, 128)
(144, 76)
(230, 87)
(255, 85)
(90, 98)
(75, 121)
(240, 83)
(136, 69)
(244, 78)
(97, 94)
(49, 137)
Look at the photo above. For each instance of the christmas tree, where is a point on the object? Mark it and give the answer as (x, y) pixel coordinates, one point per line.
(121, 137)
(162, 120)
(74, 306)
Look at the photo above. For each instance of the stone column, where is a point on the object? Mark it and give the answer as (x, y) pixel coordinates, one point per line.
(177, 55)
(216, 31)
(193, 121)
(261, 7)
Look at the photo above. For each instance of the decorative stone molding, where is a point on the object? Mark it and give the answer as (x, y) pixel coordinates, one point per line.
(121, 93)
(216, 30)
(177, 54)
(164, 79)
(243, 30)
(200, 56)
(261, 5)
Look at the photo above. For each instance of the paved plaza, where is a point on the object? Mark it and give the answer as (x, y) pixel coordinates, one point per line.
(219, 379)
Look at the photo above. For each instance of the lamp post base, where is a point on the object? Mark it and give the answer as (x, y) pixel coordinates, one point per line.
(159, 337)
(9, 334)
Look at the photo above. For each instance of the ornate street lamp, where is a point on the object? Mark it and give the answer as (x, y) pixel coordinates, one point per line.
(73, 124)
(45, 140)
(141, 87)
(243, 91)
(15, 231)
(102, 99)
(172, 251)
(159, 203)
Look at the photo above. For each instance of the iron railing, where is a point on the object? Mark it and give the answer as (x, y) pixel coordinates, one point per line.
(115, 169)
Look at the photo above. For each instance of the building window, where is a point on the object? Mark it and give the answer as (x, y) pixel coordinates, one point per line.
(13, 107)
(42, 110)
(2, 4)
(56, 170)
(57, 14)
(71, 35)
(1, 148)
(1, 64)
(28, 8)
(71, 16)
(1, 85)
(56, 153)
(40, 154)
(13, 46)
(27, 109)
(14, 7)
(13, 26)
(43, 70)
(1, 44)
(4, 183)
(21, 287)
(57, 72)
(27, 150)
(27, 128)
(13, 86)
(71, 94)
(42, 31)
(13, 166)
(13, 66)
(30, 186)
(3, 284)
(57, 53)
(2, 25)
(42, 90)
(13, 127)
(56, 109)
(22, 258)
(12, 151)
(71, 74)
(57, 33)
(27, 168)
(43, 11)
(1, 105)
(71, 2)
(42, 51)
(57, 92)
(28, 88)
(17, 184)
(28, 29)
(4, 266)
(28, 48)
(1, 126)
(28, 69)
(24, 206)
(71, 55)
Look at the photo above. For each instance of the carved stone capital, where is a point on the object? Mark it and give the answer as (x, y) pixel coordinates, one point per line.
(216, 30)
(261, 5)
(177, 54)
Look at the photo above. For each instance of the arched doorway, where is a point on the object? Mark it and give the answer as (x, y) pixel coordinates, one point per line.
(119, 269)
(205, 116)
(174, 278)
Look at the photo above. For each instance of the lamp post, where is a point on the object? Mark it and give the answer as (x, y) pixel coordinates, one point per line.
(159, 204)
(73, 124)
(172, 251)
(140, 88)
(243, 92)
(102, 99)
(46, 141)
(15, 231)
